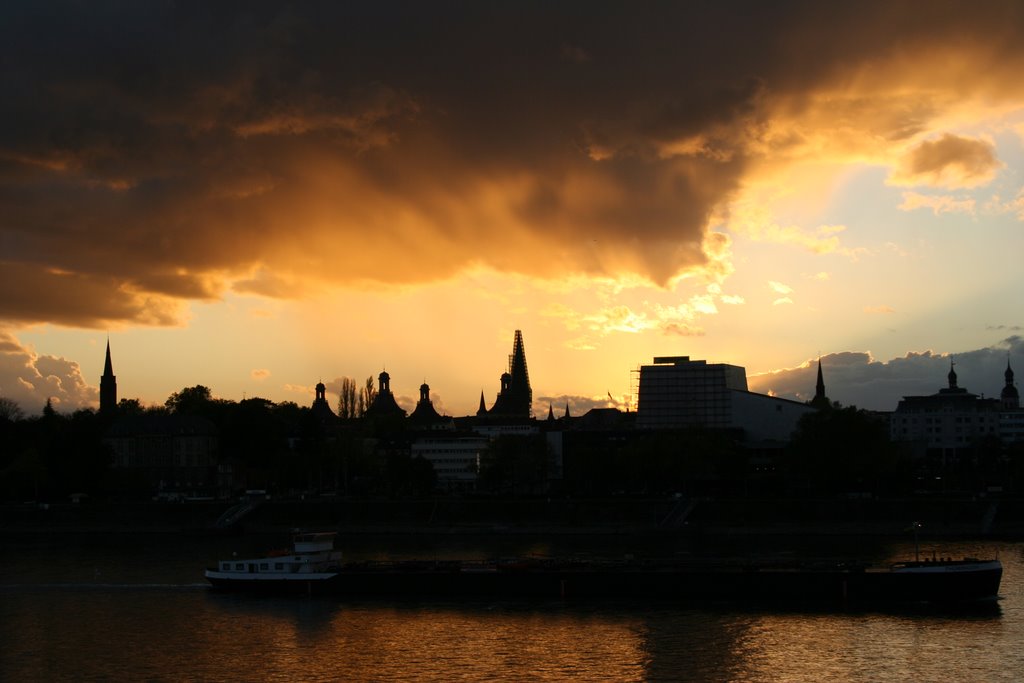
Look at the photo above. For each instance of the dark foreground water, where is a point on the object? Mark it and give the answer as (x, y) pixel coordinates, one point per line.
(134, 608)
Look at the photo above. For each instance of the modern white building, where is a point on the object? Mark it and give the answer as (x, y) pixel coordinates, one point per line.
(676, 392)
(456, 459)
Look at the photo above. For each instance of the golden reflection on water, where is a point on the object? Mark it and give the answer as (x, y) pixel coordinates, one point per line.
(314, 640)
(864, 647)
(60, 630)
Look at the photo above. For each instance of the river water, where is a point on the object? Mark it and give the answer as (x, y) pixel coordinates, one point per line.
(132, 608)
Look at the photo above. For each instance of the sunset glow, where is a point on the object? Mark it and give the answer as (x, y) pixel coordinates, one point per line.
(257, 200)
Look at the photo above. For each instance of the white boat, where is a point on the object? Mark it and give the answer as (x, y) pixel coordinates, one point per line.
(311, 560)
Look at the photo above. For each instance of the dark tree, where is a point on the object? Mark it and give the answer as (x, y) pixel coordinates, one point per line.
(845, 450)
(10, 410)
(190, 400)
(348, 402)
(366, 396)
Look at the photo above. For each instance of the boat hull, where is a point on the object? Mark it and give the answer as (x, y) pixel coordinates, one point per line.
(965, 582)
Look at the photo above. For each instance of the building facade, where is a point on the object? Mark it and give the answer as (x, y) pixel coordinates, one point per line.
(676, 392)
(948, 421)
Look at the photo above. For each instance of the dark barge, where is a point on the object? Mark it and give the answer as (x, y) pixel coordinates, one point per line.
(313, 566)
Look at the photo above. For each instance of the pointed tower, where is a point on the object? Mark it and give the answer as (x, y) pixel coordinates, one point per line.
(516, 397)
(108, 385)
(482, 410)
(820, 400)
(551, 413)
(1009, 397)
(567, 415)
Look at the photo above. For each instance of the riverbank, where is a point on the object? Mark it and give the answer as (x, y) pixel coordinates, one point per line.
(945, 517)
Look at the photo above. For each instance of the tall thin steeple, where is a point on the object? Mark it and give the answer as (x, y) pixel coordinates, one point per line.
(108, 385)
(820, 400)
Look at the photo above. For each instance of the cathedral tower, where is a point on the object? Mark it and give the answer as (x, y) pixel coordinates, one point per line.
(516, 397)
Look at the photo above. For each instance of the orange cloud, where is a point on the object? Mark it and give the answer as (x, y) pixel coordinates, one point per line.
(293, 157)
(950, 161)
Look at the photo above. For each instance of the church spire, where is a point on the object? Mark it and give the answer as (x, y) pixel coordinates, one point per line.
(108, 385)
(820, 400)
(482, 410)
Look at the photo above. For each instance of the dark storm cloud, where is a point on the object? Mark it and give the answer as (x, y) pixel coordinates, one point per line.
(159, 152)
(855, 378)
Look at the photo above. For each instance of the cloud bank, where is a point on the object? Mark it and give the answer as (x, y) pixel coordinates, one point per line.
(31, 379)
(856, 378)
(153, 154)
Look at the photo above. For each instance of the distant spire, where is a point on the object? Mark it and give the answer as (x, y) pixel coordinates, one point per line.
(952, 375)
(108, 385)
(108, 367)
(567, 416)
(551, 413)
(482, 410)
(820, 400)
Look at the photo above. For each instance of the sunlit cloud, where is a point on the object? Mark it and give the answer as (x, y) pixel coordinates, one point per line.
(995, 206)
(31, 379)
(951, 161)
(260, 374)
(937, 204)
(779, 287)
(783, 301)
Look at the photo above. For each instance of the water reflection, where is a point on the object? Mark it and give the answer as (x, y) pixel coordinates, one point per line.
(63, 628)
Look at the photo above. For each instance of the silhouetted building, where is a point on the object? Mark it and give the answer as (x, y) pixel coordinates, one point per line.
(172, 453)
(321, 408)
(678, 392)
(425, 416)
(1009, 396)
(108, 386)
(947, 421)
(384, 404)
(1011, 418)
(515, 399)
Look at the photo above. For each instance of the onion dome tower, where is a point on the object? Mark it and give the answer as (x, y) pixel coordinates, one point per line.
(384, 404)
(425, 414)
(321, 408)
(1009, 397)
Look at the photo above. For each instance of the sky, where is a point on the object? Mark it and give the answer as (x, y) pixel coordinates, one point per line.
(259, 196)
